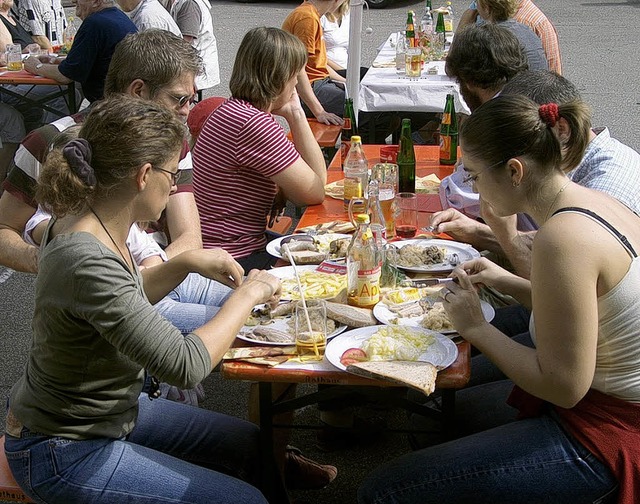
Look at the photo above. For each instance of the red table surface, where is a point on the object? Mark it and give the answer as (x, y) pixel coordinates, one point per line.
(24, 77)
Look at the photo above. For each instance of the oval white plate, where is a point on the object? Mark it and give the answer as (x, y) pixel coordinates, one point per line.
(273, 247)
(441, 354)
(464, 251)
(382, 312)
(280, 323)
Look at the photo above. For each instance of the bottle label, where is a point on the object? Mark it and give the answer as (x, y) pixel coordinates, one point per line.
(445, 147)
(346, 125)
(344, 150)
(368, 287)
(446, 118)
(352, 189)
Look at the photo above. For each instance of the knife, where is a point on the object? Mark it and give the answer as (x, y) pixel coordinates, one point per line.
(428, 282)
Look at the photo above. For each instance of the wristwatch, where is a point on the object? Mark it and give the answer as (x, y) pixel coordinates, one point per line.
(39, 65)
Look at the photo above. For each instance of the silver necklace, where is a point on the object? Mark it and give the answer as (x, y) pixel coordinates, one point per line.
(556, 198)
(129, 266)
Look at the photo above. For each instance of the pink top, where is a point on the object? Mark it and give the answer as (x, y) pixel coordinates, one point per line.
(238, 151)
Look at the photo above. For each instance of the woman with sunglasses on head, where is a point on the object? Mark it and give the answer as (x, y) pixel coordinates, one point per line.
(78, 429)
(242, 159)
(577, 391)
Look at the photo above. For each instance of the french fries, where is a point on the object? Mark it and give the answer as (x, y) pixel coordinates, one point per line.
(316, 285)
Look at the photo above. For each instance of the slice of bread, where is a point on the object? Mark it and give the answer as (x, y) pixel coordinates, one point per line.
(307, 256)
(418, 375)
(351, 316)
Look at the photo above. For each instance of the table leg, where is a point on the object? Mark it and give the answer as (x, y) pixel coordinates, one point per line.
(266, 436)
(71, 89)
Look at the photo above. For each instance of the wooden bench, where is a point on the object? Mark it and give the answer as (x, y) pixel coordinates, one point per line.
(9, 489)
(325, 134)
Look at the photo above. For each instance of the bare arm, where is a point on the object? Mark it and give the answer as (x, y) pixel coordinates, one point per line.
(303, 182)
(464, 229)
(46, 70)
(216, 264)
(42, 41)
(15, 253)
(5, 36)
(333, 65)
(516, 245)
(334, 75)
(308, 96)
(183, 223)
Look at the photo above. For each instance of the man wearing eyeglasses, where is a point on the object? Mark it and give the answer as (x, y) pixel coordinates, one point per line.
(130, 72)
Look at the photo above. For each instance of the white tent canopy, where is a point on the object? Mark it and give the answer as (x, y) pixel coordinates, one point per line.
(355, 50)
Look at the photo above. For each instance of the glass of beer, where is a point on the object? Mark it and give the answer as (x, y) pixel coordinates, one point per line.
(413, 62)
(14, 57)
(310, 325)
(387, 176)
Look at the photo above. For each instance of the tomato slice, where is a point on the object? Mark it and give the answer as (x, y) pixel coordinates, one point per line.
(353, 355)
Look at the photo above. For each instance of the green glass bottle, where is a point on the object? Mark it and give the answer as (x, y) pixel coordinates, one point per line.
(410, 32)
(406, 160)
(349, 129)
(440, 24)
(449, 133)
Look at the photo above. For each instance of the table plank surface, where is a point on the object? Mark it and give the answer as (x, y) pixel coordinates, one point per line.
(24, 77)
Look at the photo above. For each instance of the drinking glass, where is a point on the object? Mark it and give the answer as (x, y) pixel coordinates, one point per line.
(389, 275)
(413, 62)
(387, 176)
(310, 326)
(14, 57)
(406, 214)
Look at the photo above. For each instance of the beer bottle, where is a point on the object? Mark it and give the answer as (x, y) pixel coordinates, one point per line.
(349, 129)
(449, 133)
(406, 160)
(363, 266)
(410, 31)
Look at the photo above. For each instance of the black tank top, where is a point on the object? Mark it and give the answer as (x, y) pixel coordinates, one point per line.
(18, 34)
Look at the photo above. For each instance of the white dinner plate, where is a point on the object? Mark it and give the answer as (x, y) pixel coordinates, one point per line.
(280, 323)
(442, 353)
(464, 252)
(382, 312)
(287, 273)
(273, 247)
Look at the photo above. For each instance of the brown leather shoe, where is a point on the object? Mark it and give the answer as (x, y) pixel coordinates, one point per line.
(301, 473)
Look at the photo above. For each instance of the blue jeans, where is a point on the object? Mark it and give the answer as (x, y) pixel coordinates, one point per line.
(526, 461)
(175, 454)
(193, 303)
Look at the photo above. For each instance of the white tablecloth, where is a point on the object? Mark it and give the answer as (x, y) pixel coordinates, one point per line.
(383, 90)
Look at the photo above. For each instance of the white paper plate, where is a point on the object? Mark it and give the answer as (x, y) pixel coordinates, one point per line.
(382, 312)
(273, 247)
(464, 251)
(441, 354)
(280, 323)
(286, 273)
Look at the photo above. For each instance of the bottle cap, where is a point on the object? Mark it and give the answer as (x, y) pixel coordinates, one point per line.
(362, 218)
(356, 138)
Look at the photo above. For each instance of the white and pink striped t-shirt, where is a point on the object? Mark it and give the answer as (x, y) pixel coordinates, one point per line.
(238, 151)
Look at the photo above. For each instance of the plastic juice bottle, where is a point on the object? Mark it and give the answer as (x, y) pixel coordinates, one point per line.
(69, 34)
(449, 133)
(448, 18)
(356, 172)
(363, 266)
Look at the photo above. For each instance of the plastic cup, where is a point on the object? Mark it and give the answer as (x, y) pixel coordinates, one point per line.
(310, 328)
(406, 215)
(389, 154)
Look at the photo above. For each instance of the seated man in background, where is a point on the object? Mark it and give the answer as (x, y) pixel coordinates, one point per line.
(131, 72)
(607, 165)
(147, 14)
(44, 20)
(193, 17)
(103, 26)
(530, 15)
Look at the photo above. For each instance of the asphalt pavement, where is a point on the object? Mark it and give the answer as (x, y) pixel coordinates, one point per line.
(599, 41)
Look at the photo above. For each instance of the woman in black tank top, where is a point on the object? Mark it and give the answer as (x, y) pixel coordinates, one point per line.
(18, 34)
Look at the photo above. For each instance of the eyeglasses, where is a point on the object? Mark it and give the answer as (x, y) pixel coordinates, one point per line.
(181, 100)
(174, 175)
